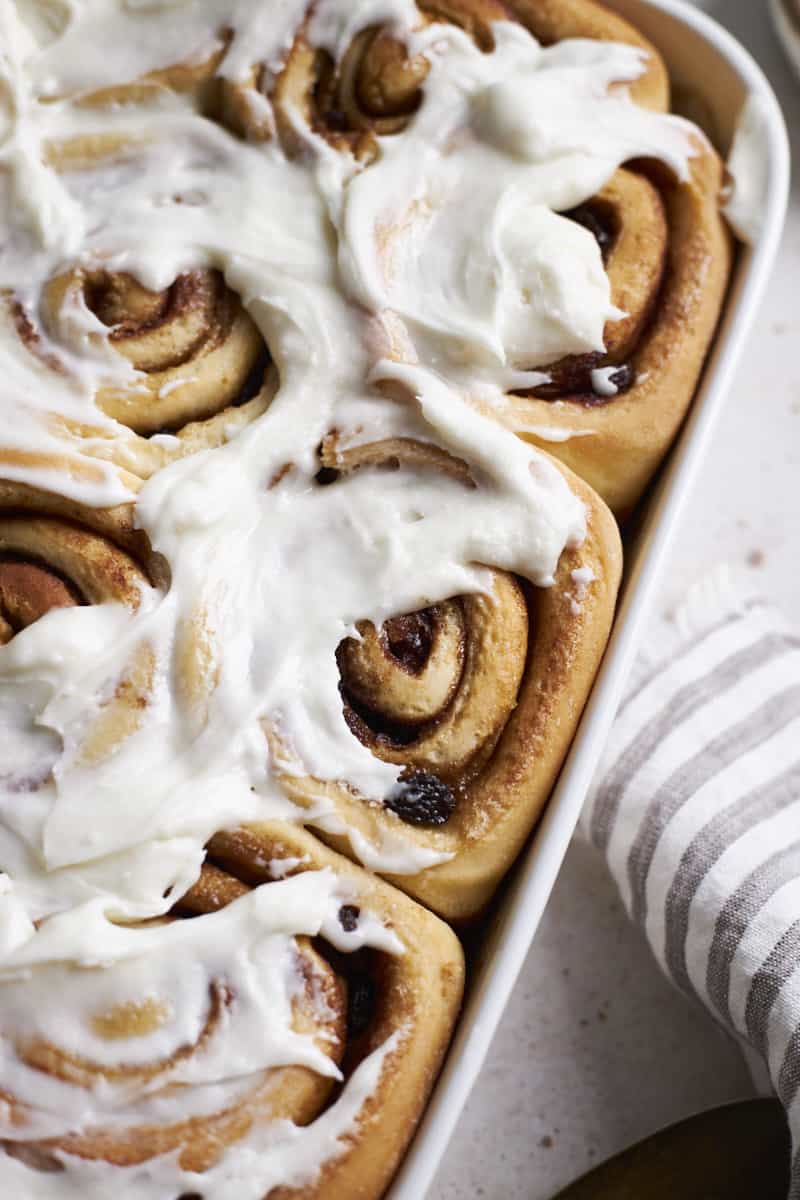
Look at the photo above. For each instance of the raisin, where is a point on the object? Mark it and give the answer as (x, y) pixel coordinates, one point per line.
(623, 378)
(337, 121)
(422, 799)
(255, 380)
(326, 476)
(591, 219)
(409, 639)
(572, 378)
(360, 1004)
(348, 917)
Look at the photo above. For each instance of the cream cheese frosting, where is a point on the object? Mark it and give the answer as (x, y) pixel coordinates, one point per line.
(397, 299)
(748, 170)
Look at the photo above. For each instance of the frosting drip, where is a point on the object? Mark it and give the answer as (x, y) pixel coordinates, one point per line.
(748, 170)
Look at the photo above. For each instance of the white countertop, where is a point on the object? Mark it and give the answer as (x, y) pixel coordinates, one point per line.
(596, 1049)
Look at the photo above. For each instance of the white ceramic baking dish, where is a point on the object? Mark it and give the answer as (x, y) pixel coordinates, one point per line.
(717, 75)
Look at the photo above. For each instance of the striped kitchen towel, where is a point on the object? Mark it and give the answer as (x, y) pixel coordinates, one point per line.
(786, 14)
(697, 812)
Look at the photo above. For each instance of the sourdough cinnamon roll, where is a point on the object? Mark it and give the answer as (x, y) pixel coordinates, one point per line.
(188, 362)
(47, 564)
(668, 255)
(192, 346)
(610, 412)
(470, 699)
(54, 556)
(373, 86)
(348, 988)
(372, 91)
(164, 371)
(610, 401)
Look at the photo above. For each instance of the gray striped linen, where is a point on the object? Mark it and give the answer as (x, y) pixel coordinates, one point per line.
(697, 812)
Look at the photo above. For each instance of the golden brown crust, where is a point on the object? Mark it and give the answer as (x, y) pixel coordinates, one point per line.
(54, 554)
(620, 444)
(375, 88)
(115, 524)
(413, 997)
(500, 683)
(554, 20)
(287, 1093)
(418, 995)
(203, 370)
(571, 629)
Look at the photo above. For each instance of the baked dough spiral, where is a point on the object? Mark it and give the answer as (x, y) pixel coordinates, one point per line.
(55, 554)
(46, 563)
(287, 1093)
(610, 416)
(668, 255)
(375, 87)
(349, 1001)
(201, 369)
(474, 699)
(192, 344)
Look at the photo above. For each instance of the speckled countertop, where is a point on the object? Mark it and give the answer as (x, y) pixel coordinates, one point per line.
(596, 1050)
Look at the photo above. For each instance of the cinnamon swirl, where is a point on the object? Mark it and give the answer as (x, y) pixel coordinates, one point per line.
(192, 364)
(374, 87)
(50, 561)
(470, 699)
(344, 982)
(611, 408)
(668, 256)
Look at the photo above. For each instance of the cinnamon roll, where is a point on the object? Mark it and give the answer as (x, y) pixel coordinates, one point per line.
(369, 991)
(189, 59)
(236, 101)
(53, 556)
(49, 564)
(50, 559)
(193, 345)
(374, 87)
(610, 413)
(193, 365)
(668, 255)
(170, 370)
(473, 699)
